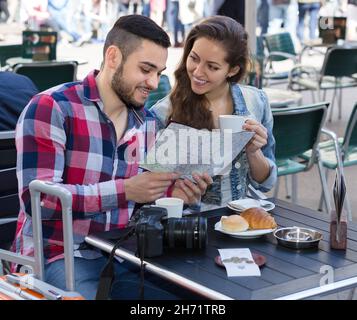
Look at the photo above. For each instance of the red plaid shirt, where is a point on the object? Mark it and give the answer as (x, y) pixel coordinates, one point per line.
(64, 136)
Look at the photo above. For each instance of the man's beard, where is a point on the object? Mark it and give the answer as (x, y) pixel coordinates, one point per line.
(122, 90)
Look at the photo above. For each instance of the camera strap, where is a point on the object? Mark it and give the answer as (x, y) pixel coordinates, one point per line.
(107, 274)
(141, 252)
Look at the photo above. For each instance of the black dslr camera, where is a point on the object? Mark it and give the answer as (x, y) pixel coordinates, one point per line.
(154, 231)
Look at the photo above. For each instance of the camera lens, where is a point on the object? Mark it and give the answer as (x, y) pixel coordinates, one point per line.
(187, 232)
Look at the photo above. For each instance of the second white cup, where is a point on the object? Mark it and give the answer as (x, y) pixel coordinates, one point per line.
(232, 122)
(174, 206)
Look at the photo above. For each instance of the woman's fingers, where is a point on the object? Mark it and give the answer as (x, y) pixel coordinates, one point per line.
(259, 141)
(257, 128)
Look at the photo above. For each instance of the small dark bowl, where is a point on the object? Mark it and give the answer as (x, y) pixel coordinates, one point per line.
(298, 238)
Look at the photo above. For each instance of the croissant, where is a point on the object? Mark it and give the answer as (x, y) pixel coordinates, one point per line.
(258, 218)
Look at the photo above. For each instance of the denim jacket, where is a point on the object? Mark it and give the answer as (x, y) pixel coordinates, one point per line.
(247, 101)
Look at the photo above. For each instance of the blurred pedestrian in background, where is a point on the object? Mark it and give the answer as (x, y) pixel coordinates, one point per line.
(234, 9)
(4, 11)
(157, 9)
(352, 20)
(174, 23)
(310, 8)
(191, 11)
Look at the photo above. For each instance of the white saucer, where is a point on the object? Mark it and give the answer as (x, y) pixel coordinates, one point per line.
(243, 204)
(249, 234)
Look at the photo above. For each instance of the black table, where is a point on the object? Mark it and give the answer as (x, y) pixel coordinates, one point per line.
(288, 273)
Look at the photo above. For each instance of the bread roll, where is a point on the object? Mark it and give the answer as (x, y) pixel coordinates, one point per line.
(234, 223)
(258, 218)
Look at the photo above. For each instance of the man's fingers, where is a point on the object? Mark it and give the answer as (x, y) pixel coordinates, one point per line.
(201, 183)
(193, 188)
(150, 197)
(163, 176)
(189, 193)
(156, 190)
(155, 196)
(158, 184)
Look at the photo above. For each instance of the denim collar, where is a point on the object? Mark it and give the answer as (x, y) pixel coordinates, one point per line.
(239, 105)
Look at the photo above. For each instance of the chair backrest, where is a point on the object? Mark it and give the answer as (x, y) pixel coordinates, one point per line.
(162, 91)
(280, 42)
(9, 200)
(7, 150)
(297, 130)
(9, 51)
(340, 62)
(48, 74)
(350, 139)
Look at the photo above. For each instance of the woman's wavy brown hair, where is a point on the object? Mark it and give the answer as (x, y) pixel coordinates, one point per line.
(192, 109)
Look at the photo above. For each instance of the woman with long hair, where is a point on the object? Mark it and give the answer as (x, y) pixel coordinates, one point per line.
(215, 59)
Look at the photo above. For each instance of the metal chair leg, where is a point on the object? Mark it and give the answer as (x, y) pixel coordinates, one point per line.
(276, 188)
(288, 196)
(313, 96)
(340, 104)
(352, 294)
(332, 103)
(348, 207)
(324, 186)
(294, 188)
(322, 194)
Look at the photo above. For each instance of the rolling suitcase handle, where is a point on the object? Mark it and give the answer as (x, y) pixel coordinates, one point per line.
(36, 188)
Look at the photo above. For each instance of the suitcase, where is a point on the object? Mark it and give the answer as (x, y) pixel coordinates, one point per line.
(29, 284)
(22, 286)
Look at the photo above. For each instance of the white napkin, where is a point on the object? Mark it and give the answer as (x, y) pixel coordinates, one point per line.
(239, 262)
(245, 203)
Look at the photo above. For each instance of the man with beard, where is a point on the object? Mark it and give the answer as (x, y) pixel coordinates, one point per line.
(78, 135)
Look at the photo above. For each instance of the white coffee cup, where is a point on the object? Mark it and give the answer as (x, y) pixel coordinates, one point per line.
(174, 206)
(232, 122)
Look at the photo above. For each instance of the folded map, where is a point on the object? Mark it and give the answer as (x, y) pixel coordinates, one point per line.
(186, 150)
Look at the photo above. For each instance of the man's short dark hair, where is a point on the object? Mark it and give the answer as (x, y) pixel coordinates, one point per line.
(128, 32)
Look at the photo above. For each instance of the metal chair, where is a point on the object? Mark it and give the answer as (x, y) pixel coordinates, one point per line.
(48, 74)
(9, 51)
(297, 130)
(280, 47)
(337, 153)
(162, 91)
(339, 65)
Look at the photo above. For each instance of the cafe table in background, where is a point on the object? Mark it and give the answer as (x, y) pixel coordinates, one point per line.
(280, 98)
